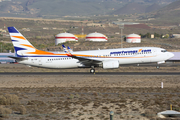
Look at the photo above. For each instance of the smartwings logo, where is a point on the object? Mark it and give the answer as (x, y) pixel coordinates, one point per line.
(132, 51)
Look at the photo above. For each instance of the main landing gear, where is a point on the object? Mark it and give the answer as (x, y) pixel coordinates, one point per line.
(92, 70)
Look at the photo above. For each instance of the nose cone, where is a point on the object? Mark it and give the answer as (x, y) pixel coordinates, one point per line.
(170, 55)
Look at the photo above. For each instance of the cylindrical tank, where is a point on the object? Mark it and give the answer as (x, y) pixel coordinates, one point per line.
(133, 38)
(98, 37)
(64, 37)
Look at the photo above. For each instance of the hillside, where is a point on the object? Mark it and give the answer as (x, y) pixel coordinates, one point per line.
(169, 13)
(138, 8)
(153, 7)
(59, 8)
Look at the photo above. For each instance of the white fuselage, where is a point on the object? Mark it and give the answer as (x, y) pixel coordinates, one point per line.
(122, 55)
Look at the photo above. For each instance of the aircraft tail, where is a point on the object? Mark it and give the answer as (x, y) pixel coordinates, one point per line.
(21, 44)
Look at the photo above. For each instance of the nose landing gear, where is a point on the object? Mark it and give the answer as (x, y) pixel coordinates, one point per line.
(157, 67)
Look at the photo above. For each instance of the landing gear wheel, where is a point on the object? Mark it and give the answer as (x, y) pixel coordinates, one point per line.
(92, 70)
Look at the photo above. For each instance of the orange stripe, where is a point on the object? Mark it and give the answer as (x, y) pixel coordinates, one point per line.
(27, 45)
(83, 55)
(39, 52)
(94, 56)
(20, 37)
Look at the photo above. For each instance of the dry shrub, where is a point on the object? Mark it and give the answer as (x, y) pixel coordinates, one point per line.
(2, 100)
(20, 109)
(91, 118)
(37, 116)
(4, 112)
(36, 102)
(12, 99)
(9, 99)
(149, 113)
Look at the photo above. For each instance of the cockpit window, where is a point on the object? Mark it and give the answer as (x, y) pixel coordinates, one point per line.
(163, 50)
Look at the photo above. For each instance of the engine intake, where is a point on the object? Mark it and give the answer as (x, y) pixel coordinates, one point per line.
(110, 64)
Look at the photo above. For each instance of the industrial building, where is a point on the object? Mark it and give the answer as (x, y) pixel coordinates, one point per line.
(64, 37)
(124, 23)
(133, 38)
(96, 37)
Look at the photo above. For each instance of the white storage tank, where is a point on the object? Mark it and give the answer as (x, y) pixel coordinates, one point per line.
(98, 37)
(133, 38)
(64, 37)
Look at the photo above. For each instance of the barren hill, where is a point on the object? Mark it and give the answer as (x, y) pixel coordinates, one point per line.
(59, 8)
(153, 7)
(170, 13)
(134, 7)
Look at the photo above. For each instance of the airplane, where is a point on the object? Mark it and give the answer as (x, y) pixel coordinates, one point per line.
(27, 54)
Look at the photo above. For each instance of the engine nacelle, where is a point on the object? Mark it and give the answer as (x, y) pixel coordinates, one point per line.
(110, 64)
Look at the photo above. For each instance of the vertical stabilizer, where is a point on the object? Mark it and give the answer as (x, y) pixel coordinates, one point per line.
(21, 44)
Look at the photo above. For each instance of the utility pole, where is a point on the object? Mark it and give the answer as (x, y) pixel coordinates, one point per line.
(121, 26)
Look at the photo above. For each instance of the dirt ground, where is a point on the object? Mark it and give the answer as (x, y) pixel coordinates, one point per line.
(87, 97)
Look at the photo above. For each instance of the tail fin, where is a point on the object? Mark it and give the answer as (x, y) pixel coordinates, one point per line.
(21, 44)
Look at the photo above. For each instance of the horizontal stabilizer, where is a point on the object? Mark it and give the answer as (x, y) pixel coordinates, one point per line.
(18, 58)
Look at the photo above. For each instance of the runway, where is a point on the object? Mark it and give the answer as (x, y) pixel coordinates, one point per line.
(87, 73)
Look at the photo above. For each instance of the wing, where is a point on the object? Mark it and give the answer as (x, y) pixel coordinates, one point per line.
(86, 61)
(83, 60)
(18, 58)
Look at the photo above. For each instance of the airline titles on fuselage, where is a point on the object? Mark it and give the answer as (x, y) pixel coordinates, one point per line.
(131, 52)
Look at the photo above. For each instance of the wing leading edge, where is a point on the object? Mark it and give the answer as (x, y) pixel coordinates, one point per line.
(83, 60)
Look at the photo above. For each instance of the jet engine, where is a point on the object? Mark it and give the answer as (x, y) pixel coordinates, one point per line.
(110, 64)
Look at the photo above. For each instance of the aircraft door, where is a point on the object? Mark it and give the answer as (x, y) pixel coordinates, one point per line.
(154, 53)
(32, 60)
(40, 61)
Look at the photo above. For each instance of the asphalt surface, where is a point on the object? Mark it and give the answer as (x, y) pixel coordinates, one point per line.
(87, 73)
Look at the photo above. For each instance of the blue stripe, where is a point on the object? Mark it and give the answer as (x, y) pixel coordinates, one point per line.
(15, 41)
(63, 46)
(12, 30)
(18, 48)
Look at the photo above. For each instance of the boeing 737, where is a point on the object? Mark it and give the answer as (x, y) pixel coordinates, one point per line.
(27, 54)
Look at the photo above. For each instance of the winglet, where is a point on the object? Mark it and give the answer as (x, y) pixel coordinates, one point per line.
(69, 49)
(66, 51)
